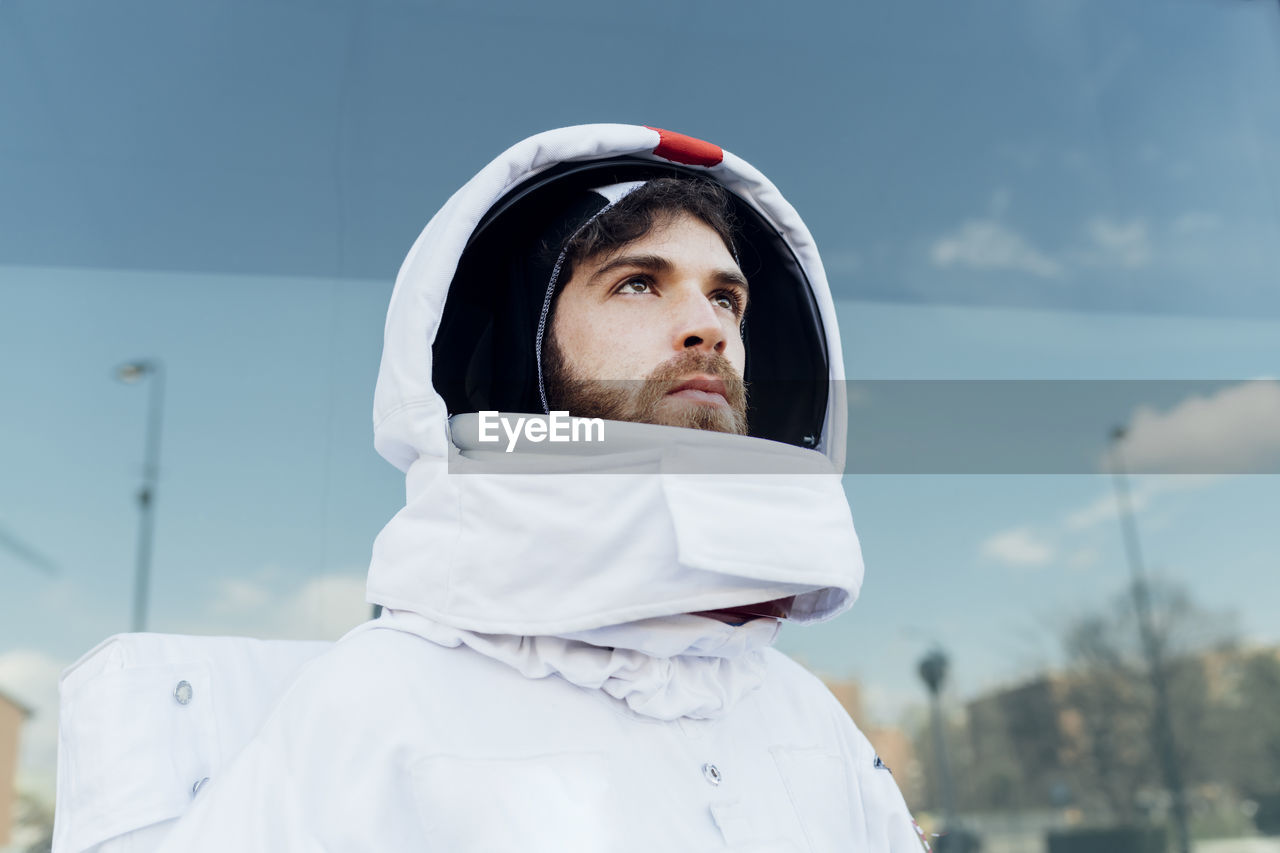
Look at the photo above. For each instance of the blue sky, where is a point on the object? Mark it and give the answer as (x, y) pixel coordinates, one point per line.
(1077, 189)
(1076, 153)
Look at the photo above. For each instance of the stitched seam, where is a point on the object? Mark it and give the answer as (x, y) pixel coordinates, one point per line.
(546, 302)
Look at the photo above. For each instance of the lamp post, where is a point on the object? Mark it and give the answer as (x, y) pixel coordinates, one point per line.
(1166, 747)
(131, 373)
(933, 671)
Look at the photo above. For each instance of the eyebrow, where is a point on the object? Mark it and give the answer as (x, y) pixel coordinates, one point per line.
(659, 264)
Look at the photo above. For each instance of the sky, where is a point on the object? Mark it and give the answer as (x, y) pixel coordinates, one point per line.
(1053, 191)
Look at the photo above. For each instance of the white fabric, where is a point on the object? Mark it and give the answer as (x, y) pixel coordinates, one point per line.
(538, 680)
(518, 543)
(665, 668)
(613, 193)
(396, 744)
(129, 754)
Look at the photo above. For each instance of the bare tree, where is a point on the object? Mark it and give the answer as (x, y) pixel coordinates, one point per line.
(1113, 706)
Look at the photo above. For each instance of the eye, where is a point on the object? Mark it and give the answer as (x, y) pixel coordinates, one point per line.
(728, 299)
(635, 284)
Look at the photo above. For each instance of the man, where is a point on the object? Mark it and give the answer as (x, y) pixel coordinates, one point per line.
(574, 653)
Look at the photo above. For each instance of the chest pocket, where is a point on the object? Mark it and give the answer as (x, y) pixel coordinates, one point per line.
(556, 802)
(818, 783)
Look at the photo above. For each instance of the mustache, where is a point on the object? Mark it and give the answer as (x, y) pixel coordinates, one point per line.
(665, 377)
(645, 400)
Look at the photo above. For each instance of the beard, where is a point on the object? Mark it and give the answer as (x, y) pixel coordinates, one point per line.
(646, 401)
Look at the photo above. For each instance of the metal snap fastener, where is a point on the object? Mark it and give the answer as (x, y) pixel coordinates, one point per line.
(195, 789)
(712, 773)
(182, 693)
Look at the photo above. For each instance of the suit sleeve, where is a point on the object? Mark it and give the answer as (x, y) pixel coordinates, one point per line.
(890, 825)
(325, 773)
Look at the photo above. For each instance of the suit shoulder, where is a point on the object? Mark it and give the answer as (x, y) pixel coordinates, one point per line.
(792, 689)
(368, 674)
(786, 673)
(784, 667)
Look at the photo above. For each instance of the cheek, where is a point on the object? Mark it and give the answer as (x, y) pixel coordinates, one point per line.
(593, 344)
(736, 351)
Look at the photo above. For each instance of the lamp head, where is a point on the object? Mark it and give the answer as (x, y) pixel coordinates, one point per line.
(933, 670)
(134, 371)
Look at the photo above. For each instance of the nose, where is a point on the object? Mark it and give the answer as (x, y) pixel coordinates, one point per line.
(697, 324)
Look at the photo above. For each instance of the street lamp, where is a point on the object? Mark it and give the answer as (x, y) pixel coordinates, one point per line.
(1151, 647)
(132, 373)
(1163, 725)
(933, 671)
(953, 839)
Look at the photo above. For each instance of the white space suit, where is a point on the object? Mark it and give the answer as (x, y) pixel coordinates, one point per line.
(538, 680)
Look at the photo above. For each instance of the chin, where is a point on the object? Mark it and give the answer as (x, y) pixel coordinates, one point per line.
(681, 413)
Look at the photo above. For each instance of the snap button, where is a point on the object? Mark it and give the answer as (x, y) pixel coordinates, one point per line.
(182, 693)
(195, 789)
(712, 773)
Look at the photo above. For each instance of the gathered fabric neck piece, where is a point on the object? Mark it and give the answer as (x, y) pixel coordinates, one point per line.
(664, 668)
(595, 567)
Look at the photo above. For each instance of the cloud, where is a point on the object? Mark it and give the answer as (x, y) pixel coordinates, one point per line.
(31, 678)
(1104, 510)
(235, 595)
(1019, 548)
(326, 607)
(986, 244)
(1125, 245)
(1235, 430)
(322, 608)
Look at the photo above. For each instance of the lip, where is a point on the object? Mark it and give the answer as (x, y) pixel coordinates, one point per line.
(701, 388)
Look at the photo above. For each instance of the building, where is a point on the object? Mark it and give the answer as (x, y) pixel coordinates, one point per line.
(12, 714)
(1082, 738)
(1025, 740)
(892, 744)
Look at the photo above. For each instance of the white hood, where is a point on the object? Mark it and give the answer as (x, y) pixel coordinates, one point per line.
(562, 545)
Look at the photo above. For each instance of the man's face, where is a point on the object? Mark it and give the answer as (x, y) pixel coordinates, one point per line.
(651, 332)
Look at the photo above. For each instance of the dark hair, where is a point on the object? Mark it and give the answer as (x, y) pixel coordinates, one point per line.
(638, 211)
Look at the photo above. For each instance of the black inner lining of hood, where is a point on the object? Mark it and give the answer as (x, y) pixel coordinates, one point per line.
(483, 354)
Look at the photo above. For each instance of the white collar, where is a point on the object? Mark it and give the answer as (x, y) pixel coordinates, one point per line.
(707, 668)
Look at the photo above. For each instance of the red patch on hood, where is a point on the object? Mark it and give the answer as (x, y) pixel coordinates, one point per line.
(679, 148)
